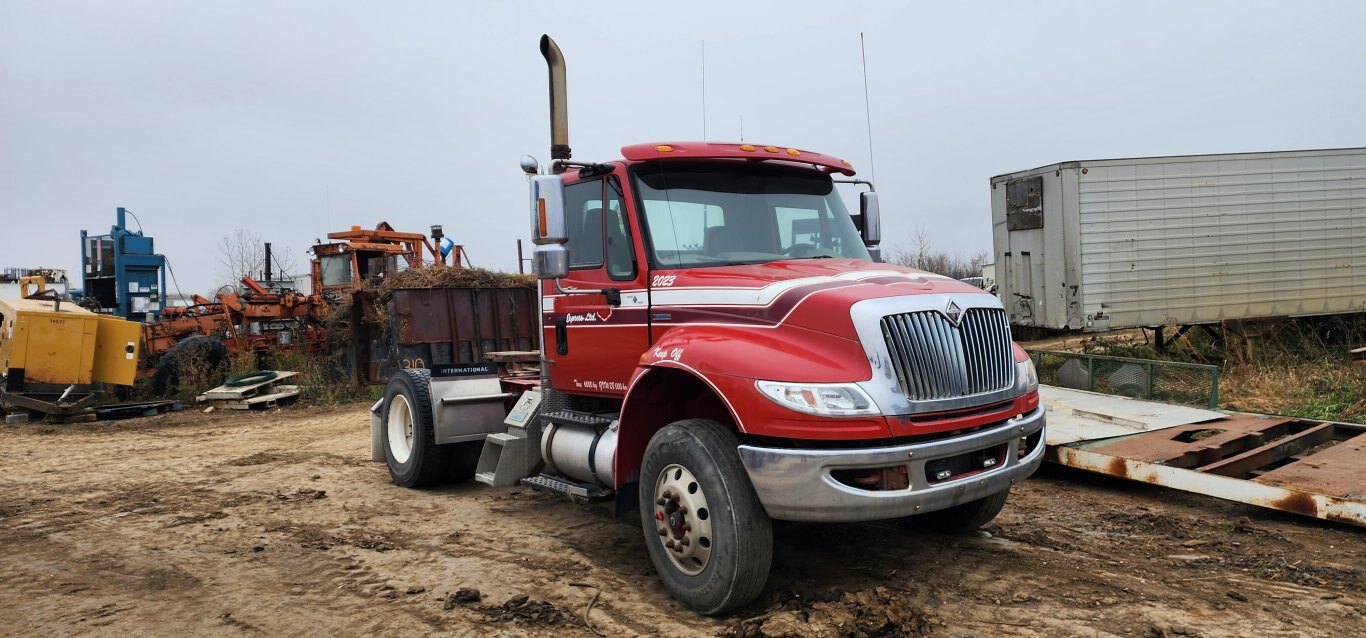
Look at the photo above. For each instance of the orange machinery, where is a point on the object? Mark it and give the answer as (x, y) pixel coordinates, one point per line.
(258, 319)
(370, 255)
(255, 319)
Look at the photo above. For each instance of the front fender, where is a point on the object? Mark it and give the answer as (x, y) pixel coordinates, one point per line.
(709, 372)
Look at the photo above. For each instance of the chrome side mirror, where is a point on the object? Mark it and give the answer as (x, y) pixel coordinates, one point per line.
(530, 166)
(548, 229)
(871, 228)
(550, 262)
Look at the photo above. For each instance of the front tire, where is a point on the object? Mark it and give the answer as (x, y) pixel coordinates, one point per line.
(409, 436)
(966, 517)
(707, 533)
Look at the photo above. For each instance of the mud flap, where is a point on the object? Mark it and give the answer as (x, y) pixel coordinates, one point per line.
(376, 432)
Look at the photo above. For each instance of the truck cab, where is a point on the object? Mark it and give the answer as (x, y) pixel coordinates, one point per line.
(721, 348)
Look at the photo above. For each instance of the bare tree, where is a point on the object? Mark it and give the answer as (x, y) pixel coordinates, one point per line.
(243, 253)
(921, 255)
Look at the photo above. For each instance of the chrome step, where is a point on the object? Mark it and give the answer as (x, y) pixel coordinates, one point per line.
(508, 457)
(502, 437)
(581, 493)
(574, 417)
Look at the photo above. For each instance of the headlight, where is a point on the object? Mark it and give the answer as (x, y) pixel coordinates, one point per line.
(1026, 377)
(821, 399)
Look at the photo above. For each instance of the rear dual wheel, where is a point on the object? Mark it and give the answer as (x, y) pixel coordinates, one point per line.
(707, 533)
(409, 436)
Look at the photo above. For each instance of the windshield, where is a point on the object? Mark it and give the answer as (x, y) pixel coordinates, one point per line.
(336, 269)
(718, 215)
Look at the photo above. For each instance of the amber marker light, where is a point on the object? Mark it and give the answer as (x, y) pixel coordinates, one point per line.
(771, 149)
(540, 206)
(746, 147)
(793, 151)
(664, 148)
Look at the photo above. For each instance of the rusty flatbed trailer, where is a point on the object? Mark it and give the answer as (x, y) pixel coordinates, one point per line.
(1306, 467)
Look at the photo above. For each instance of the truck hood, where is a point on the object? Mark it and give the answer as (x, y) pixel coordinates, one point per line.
(809, 293)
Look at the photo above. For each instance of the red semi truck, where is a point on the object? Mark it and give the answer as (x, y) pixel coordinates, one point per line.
(720, 349)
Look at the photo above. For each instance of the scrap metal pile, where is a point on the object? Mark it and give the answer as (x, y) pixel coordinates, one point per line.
(1306, 467)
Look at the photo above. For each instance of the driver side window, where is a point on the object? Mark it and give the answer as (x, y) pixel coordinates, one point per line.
(598, 228)
(583, 221)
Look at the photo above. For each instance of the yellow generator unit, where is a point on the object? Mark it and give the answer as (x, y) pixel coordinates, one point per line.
(45, 341)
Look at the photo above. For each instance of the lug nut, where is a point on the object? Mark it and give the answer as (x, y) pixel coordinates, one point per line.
(685, 542)
(660, 502)
(669, 544)
(682, 508)
(663, 532)
(687, 527)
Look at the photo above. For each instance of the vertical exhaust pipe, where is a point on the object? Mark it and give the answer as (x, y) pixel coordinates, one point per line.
(559, 103)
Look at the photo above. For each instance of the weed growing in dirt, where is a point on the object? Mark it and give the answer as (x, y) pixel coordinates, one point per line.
(1322, 389)
(320, 383)
(194, 373)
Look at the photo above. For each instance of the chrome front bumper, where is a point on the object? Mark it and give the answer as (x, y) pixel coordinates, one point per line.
(796, 485)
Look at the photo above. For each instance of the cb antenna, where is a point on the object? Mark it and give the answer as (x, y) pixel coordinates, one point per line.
(704, 90)
(867, 111)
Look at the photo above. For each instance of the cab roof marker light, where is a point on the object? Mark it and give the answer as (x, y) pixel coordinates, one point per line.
(664, 148)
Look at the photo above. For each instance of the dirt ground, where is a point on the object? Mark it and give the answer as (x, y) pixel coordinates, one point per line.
(276, 524)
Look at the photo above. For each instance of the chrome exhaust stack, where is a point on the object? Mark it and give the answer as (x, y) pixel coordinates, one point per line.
(559, 101)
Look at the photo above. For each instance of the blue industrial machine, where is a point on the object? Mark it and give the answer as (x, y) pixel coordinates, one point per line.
(122, 275)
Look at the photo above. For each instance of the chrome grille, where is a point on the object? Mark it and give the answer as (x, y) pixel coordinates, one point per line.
(935, 359)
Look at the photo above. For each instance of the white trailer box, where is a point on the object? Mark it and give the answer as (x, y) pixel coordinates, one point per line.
(1103, 244)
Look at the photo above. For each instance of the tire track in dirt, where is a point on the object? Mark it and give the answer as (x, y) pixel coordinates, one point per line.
(152, 527)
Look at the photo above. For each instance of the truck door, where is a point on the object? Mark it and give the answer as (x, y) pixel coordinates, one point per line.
(591, 345)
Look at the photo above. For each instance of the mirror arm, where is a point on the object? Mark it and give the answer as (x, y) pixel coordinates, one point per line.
(869, 184)
(561, 165)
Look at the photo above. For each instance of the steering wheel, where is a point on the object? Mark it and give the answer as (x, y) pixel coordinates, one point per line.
(800, 250)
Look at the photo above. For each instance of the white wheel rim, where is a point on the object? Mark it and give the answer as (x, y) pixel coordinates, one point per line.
(400, 428)
(682, 519)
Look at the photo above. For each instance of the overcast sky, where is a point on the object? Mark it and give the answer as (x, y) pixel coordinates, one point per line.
(296, 118)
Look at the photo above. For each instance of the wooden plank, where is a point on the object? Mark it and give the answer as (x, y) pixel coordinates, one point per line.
(513, 356)
(225, 393)
(284, 393)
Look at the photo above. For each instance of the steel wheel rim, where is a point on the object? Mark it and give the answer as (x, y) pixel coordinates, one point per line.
(400, 430)
(682, 519)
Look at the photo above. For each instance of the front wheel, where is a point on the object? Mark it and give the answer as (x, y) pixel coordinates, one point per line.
(966, 517)
(708, 536)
